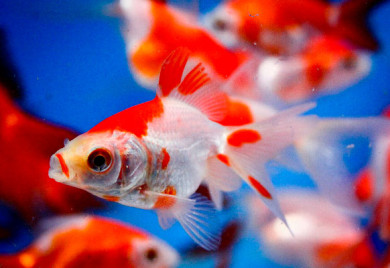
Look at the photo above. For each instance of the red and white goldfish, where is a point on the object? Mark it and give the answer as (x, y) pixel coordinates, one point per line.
(27, 144)
(156, 154)
(84, 241)
(323, 235)
(325, 66)
(284, 27)
(152, 29)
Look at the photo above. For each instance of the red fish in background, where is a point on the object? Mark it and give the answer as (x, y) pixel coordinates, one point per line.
(27, 144)
(284, 27)
(82, 241)
(153, 29)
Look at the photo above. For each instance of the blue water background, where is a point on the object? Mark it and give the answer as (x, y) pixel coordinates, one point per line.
(72, 64)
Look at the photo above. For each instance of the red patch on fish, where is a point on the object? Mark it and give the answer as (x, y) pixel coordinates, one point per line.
(165, 158)
(111, 198)
(194, 80)
(224, 159)
(166, 201)
(242, 136)
(64, 167)
(315, 74)
(259, 187)
(134, 119)
(363, 186)
(238, 114)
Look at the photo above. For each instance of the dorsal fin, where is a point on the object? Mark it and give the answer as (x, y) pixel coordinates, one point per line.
(172, 71)
(195, 89)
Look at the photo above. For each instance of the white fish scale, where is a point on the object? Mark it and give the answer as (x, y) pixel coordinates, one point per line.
(189, 137)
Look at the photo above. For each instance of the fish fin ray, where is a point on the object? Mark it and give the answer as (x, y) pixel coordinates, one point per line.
(196, 215)
(250, 147)
(195, 88)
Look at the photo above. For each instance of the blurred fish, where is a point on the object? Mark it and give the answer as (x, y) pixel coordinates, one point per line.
(325, 66)
(323, 236)
(156, 154)
(284, 27)
(82, 241)
(153, 29)
(372, 185)
(27, 144)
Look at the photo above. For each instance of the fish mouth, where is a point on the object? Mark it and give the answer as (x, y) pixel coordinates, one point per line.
(58, 169)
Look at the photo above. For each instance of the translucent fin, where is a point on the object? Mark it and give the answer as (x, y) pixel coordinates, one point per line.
(196, 215)
(251, 146)
(322, 152)
(220, 177)
(194, 89)
(216, 197)
(240, 83)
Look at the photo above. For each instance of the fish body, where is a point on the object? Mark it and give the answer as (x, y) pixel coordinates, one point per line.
(84, 241)
(152, 29)
(25, 137)
(156, 154)
(284, 27)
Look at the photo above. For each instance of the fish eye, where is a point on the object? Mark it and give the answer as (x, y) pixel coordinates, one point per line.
(220, 25)
(151, 254)
(349, 63)
(100, 160)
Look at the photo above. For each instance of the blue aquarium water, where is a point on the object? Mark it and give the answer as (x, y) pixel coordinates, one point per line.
(71, 62)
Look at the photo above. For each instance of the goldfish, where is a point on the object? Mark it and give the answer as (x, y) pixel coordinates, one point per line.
(156, 154)
(323, 235)
(90, 241)
(26, 137)
(283, 28)
(152, 29)
(325, 66)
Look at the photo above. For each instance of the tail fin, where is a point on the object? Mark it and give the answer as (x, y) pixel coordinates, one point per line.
(352, 22)
(249, 147)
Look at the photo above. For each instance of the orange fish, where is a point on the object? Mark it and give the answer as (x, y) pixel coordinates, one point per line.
(284, 27)
(83, 241)
(153, 29)
(27, 144)
(156, 154)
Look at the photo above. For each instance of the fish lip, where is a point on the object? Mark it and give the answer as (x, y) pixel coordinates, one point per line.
(55, 170)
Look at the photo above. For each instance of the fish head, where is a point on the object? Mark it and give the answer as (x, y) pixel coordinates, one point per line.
(90, 161)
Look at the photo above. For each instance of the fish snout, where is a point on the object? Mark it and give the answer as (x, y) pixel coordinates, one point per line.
(58, 168)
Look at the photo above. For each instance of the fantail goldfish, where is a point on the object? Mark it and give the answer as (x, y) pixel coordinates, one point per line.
(83, 241)
(284, 27)
(25, 137)
(156, 154)
(152, 29)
